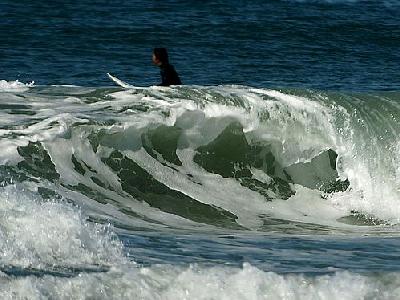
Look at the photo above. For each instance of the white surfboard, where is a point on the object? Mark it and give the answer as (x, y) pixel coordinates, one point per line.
(120, 82)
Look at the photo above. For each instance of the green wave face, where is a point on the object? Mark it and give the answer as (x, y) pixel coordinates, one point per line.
(210, 157)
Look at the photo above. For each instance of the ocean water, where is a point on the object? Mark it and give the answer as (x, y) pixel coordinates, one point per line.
(272, 173)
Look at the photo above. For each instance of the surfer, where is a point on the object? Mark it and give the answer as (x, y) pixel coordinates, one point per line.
(167, 71)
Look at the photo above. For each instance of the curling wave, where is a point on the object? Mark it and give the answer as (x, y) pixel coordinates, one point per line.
(194, 157)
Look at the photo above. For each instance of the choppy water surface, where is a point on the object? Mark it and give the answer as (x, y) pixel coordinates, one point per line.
(335, 44)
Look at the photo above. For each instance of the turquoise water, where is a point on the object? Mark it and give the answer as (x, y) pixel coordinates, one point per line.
(273, 173)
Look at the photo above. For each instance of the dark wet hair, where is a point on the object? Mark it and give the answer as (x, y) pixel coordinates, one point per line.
(161, 54)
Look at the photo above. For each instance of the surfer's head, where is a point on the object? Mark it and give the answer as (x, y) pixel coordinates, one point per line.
(160, 56)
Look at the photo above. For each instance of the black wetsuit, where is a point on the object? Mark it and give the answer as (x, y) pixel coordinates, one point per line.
(168, 75)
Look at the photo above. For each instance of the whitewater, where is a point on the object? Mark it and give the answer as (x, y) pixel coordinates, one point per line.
(198, 192)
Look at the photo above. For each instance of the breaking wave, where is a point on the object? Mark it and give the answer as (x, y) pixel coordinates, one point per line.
(79, 165)
(226, 157)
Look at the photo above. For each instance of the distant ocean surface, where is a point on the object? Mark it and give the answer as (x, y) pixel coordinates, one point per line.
(272, 173)
(322, 44)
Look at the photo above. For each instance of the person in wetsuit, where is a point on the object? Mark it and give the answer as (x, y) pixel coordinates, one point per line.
(167, 71)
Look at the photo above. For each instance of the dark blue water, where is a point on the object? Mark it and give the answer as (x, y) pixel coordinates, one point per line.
(340, 45)
(290, 254)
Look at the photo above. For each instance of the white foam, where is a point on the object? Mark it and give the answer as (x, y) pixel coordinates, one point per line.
(36, 233)
(14, 86)
(166, 282)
